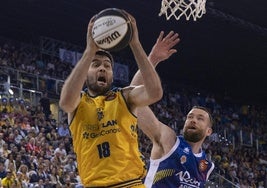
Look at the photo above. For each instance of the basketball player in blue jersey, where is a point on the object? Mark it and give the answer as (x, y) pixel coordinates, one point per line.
(103, 121)
(175, 161)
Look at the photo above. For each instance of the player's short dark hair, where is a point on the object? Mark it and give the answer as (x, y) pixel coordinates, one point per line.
(206, 110)
(107, 54)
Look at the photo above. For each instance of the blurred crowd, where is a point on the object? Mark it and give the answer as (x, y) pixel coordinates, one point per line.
(15, 56)
(36, 148)
(35, 151)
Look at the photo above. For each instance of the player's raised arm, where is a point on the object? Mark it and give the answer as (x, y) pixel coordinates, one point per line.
(151, 90)
(70, 93)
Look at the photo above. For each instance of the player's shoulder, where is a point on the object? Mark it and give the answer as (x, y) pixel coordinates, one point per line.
(124, 90)
(127, 88)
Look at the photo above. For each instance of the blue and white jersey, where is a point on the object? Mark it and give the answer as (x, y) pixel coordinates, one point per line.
(180, 168)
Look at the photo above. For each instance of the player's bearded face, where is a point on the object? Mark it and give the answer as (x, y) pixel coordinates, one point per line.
(193, 135)
(98, 89)
(196, 126)
(100, 75)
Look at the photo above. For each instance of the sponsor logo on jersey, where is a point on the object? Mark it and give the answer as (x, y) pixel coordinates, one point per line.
(186, 150)
(101, 133)
(100, 113)
(92, 127)
(203, 165)
(109, 123)
(94, 131)
(183, 159)
(186, 180)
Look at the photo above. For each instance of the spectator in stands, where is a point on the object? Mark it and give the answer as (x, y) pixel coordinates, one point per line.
(57, 159)
(73, 178)
(17, 137)
(2, 142)
(68, 144)
(52, 136)
(4, 106)
(9, 180)
(71, 165)
(42, 171)
(61, 149)
(45, 103)
(10, 163)
(19, 160)
(23, 170)
(63, 130)
(31, 146)
(54, 177)
(25, 124)
(2, 170)
(48, 150)
(22, 107)
(5, 151)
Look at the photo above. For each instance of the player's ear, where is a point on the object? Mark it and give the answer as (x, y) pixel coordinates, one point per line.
(209, 131)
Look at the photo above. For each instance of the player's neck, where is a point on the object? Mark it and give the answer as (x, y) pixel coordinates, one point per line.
(196, 147)
(95, 94)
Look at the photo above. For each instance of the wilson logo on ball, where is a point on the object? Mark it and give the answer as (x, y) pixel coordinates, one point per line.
(112, 37)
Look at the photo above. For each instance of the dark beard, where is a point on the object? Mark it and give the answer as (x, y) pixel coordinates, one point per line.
(98, 90)
(193, 137)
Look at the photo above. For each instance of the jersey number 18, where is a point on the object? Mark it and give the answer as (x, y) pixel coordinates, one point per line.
(103, 150)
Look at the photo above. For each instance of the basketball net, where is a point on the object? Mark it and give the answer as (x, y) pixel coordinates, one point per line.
(178, 8)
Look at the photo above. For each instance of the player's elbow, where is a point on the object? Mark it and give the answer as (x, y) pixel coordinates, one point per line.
(66, 106)
(157, 95)
(63, 105)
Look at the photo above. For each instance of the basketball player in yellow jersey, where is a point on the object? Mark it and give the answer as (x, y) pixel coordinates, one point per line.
(102, 121)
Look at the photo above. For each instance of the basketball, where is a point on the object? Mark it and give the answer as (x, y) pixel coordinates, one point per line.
(112, 30)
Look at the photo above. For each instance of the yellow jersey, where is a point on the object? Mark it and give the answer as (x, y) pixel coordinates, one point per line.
(8, 182)
(105, 141)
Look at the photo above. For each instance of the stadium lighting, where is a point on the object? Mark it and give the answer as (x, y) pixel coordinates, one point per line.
(10, 91)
